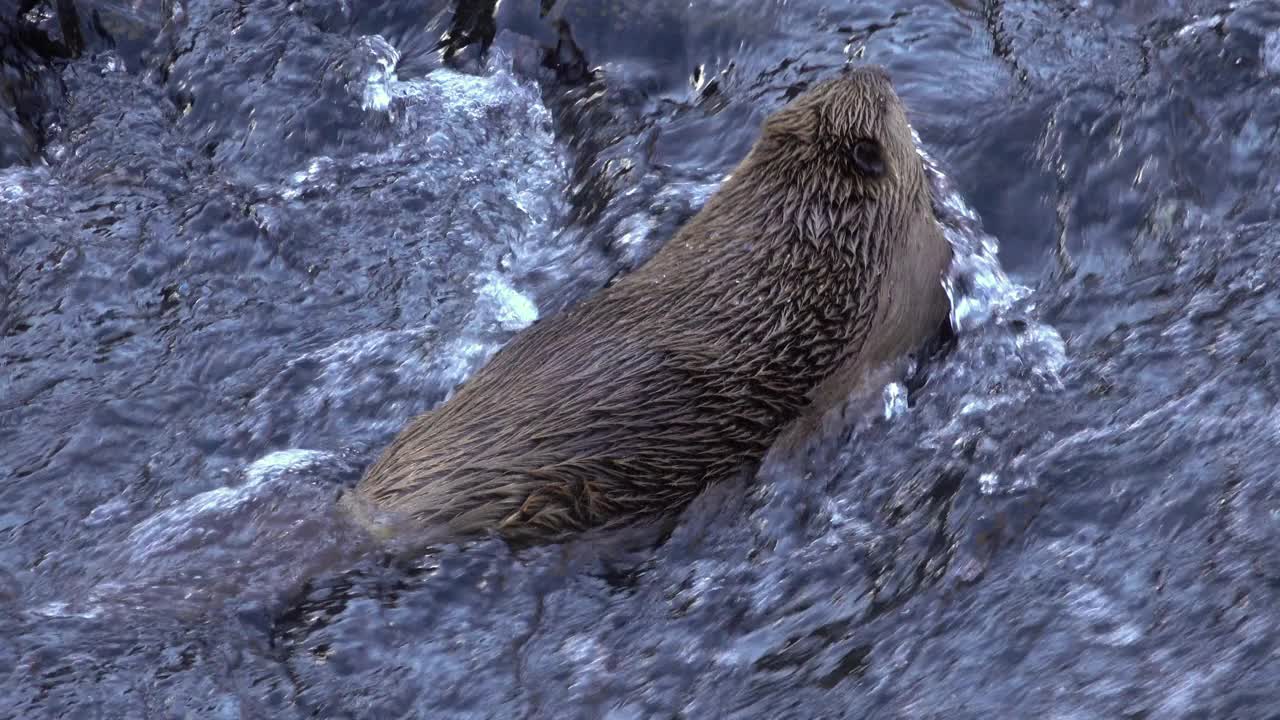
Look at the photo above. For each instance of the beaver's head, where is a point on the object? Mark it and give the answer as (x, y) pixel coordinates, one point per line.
(845, 146)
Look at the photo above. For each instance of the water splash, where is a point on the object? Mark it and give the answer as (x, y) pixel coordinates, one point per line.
(478, 155)
(981, 294)
(988, 309)
(382, 58)
(509, 308)
(895, 400)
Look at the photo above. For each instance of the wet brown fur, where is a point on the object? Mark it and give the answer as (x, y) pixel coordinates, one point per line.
(799, 277)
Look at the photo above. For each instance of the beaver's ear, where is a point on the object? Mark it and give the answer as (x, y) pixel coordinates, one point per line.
(867, 157)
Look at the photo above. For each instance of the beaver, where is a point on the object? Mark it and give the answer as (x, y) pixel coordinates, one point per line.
(817, 260)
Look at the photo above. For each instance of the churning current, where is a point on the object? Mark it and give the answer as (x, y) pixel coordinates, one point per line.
(242, 243)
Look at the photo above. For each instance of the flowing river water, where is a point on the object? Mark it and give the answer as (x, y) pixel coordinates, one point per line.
(242, 243)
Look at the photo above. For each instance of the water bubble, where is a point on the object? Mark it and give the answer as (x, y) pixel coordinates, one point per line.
(978, 288)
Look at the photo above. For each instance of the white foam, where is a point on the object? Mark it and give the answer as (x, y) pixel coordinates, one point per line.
(176, 524)
(895, 400)
(110, 62)
(60, 609)
(1271, 52)
(305, 176)
(1200, 25)
(507, 307)
(15, 183)
(272, 465)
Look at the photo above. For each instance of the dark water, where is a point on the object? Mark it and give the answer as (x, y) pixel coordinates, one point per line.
(243, 242)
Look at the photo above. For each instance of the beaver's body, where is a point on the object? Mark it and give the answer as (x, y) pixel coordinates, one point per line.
(817, 260)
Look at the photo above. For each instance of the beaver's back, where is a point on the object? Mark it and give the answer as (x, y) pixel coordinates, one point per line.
(595, 414)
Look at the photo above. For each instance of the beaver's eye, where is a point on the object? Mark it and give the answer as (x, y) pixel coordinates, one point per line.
(868, 158)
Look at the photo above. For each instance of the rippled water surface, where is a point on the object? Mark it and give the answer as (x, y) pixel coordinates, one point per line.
(242, 243)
